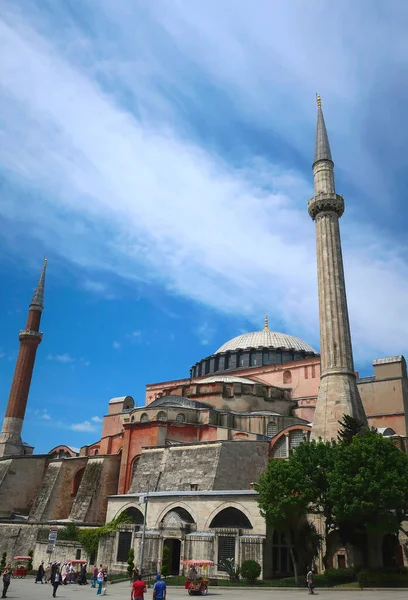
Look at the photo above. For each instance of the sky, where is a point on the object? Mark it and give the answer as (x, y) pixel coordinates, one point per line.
(159, 154)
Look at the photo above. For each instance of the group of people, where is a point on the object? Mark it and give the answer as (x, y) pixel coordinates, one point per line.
(65, 574)
(139, 587)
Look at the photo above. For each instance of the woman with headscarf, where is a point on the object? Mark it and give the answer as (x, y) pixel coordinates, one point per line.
(40, 573)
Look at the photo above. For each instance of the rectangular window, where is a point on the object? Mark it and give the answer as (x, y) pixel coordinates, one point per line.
(124, 543)
(306, 373)
(226, 548)
(313, 371)
(265, 358)
(78, 554)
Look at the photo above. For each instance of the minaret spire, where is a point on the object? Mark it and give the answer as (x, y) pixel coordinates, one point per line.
(338, 393)
(322, 148)
(266, 326)
(30, 338)
(38, 297)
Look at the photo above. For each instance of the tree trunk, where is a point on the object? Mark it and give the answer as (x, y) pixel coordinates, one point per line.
(374, 544)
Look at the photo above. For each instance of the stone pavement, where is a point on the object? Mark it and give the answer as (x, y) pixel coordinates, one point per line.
(26, 589)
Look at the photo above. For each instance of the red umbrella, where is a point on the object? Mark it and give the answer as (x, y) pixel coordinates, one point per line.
(198, 563)
(77, 562)
(23, 558)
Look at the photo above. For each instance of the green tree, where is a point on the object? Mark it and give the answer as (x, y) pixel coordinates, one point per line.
(284, 500)
(312, 463)
(369, 490)
(250, 570)
(30, 562)
(165, 570)
(350, 426)
(3, 562)
(131, 562)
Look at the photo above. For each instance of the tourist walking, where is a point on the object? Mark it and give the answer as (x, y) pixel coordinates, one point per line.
(82, 575)
(6, 580)
(56, 581)
(40, 573)
(309, 580)
(138, 589)
(94, 576)
(99, 579)
(159, 589)
(135, 573)
(48, 573)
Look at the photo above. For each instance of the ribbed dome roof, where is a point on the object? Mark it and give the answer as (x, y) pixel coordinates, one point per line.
(266, 339)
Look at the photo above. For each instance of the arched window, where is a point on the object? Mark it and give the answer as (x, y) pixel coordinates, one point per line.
(287, 377)
(272, 429)
(76, 482)
(132, 515)
(265, 358)
(231, 518)
(96, 452)
(161, 416)
(181, 418)
(296, 437)
(280, 450)
(227, 361)
(132, 418)
(252, 359)
(144, 418)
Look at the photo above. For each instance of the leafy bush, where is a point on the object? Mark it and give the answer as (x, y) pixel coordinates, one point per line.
(30, 562)
(250, 570)
(367, 578)
(3, 561)
(165, 569)
(131, 562)
(228, 565)
(339, 576)
(69, 532)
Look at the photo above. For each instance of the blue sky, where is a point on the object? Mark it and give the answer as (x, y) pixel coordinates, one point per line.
(159, 153)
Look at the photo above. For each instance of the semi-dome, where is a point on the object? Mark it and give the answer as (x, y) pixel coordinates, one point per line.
(265, 339)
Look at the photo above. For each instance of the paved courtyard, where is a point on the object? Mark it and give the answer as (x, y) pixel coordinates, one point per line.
(26, 589)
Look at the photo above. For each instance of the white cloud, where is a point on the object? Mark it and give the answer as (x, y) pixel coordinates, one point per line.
(61, 358)
(94, 286)
(97, 419)
(85, 363)
(116, 345)
(135, 335)
(145, 202)
(84, 426)
(205, 334)
(45, 416)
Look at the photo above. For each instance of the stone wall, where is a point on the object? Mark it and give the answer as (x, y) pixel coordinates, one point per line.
(208, 466)
(17, 538)
(20, 481)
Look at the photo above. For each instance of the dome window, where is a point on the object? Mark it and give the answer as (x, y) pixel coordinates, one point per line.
(161, 416)
(252, 359)
(181, 418)
(144, 418)
(272, 429)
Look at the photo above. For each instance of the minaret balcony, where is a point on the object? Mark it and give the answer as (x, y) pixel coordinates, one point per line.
(325, 203)
(29, 334)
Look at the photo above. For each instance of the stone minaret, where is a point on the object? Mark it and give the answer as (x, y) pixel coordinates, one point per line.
(30, 337)
(338, 393)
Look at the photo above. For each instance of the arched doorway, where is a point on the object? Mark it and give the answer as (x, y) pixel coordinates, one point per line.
(131, 515)
(173, 546)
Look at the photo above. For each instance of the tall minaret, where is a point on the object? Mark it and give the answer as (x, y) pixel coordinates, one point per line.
(338, 393)
(30, 338)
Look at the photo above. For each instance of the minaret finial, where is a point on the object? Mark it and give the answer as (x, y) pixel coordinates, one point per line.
(322, 148)
(266, 326)
(38, 297)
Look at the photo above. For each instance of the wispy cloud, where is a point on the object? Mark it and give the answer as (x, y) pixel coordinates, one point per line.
(114, 164)
(2, 354)
(116, 345)
(61, 358)
(205, 334)
(84, 426)
(45, 416)
(97, 419)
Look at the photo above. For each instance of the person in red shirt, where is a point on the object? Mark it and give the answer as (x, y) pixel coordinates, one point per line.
(138, 589)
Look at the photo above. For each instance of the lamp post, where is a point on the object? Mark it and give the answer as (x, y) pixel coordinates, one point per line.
(143, 499)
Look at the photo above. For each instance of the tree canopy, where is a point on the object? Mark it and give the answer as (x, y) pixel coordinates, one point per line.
(359, 485)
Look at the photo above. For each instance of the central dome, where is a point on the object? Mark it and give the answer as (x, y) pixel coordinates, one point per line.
(265, 339)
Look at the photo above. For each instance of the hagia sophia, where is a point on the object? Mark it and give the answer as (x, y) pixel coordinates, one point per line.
(199, 444)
